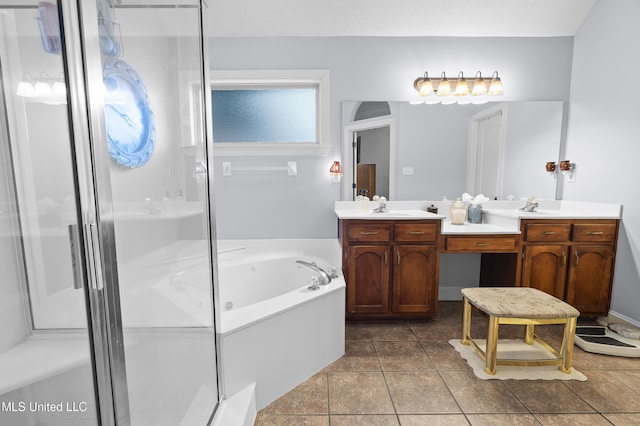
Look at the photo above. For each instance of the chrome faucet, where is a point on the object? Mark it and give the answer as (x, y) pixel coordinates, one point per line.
(324, 277)
(382, 205)
(531, 206)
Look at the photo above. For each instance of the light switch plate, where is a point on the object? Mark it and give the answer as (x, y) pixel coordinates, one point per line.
(407, 171)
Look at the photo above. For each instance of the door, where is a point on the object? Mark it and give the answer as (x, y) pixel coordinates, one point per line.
(46, 337)
(414, 278)
(545, 268)
(489, 171)
(104, 215)
(368, 278)
(589, 282)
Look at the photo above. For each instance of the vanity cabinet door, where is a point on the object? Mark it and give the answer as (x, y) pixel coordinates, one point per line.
(545, 267)
(590, 277)
(368, 279)
(414, 282)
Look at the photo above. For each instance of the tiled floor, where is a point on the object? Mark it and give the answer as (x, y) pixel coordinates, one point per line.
(406, 373)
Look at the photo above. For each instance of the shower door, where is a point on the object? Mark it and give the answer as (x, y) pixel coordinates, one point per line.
(106, 308)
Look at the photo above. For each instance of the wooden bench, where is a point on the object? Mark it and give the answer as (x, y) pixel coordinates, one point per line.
(521, 306)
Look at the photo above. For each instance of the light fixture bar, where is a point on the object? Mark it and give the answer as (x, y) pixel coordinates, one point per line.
(460, 86)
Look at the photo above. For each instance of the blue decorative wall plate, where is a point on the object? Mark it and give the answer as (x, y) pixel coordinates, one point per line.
(128, 116)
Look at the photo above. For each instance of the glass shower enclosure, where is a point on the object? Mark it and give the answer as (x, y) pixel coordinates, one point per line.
(105, 214)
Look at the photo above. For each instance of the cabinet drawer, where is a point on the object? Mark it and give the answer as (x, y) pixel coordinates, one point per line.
(481, 244)
(407, 232)
(547, 232)
(594, 232)
(375, 232)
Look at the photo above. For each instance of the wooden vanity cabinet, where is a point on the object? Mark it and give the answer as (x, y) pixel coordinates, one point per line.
(572, 259)
(391, 268)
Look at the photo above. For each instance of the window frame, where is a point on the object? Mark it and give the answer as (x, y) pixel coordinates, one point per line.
(252, 79)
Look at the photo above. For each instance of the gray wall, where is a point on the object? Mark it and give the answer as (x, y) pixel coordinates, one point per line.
(603, 132)
(373, 69)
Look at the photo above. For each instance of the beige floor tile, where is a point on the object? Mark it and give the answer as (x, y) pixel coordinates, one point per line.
(364, 420)
(292, 420)
(310, 397)
(433, 420)
(420, 393)
(392, 331)
(356, 331)
(572, 420)
(359, 356)
(548, 396)
(444, 356)
(437, 330)
(624, 419)
(402, 356)
(630, 378)
(480, 396)
(502, 420)
(358, 393)
(605, 393)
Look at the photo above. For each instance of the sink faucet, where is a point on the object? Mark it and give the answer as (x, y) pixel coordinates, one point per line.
(531, 206)
(382, 205)
(324, 277)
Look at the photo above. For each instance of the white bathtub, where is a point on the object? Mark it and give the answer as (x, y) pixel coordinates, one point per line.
(275, 332)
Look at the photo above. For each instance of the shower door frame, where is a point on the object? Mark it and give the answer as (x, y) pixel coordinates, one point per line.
(86, 104)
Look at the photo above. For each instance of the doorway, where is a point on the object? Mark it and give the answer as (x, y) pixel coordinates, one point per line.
(365, 142)
(486, 150)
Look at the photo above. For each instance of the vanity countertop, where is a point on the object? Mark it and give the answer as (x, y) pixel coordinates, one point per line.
(500, 217)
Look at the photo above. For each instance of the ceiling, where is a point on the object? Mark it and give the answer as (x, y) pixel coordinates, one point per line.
(398, 18)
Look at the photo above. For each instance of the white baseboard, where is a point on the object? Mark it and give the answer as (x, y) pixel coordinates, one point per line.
(613, 314)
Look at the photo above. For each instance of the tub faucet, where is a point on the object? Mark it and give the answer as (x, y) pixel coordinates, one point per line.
(324, 277)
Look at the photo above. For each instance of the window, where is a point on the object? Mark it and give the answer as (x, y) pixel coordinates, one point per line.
(274, 112)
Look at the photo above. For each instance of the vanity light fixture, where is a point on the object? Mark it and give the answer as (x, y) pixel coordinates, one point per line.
(462, 88)
(336, 172)
(444, 87)
(475, 91)
(496, 85)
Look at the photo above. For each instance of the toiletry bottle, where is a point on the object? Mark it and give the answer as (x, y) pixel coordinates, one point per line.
(457, 212)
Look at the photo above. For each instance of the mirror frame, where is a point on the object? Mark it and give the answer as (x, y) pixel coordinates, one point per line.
(348, 132)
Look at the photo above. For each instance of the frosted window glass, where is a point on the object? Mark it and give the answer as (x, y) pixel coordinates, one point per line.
(286, 115)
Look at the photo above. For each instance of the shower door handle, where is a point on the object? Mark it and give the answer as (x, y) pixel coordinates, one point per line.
(93, 251)
(77, 268)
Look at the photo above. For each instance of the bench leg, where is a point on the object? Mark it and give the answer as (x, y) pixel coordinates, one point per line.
(528, 334)
(567, 345)
(466, 322)
(492, 346)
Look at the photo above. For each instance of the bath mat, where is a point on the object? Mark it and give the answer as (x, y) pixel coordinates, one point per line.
(515, 349)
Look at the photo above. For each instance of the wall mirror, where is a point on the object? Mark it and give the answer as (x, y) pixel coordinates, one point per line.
(427, 152)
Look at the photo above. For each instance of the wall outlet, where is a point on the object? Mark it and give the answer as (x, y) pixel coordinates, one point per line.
(407, 171)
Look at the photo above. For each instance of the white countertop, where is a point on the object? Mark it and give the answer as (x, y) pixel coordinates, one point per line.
(500, 217)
